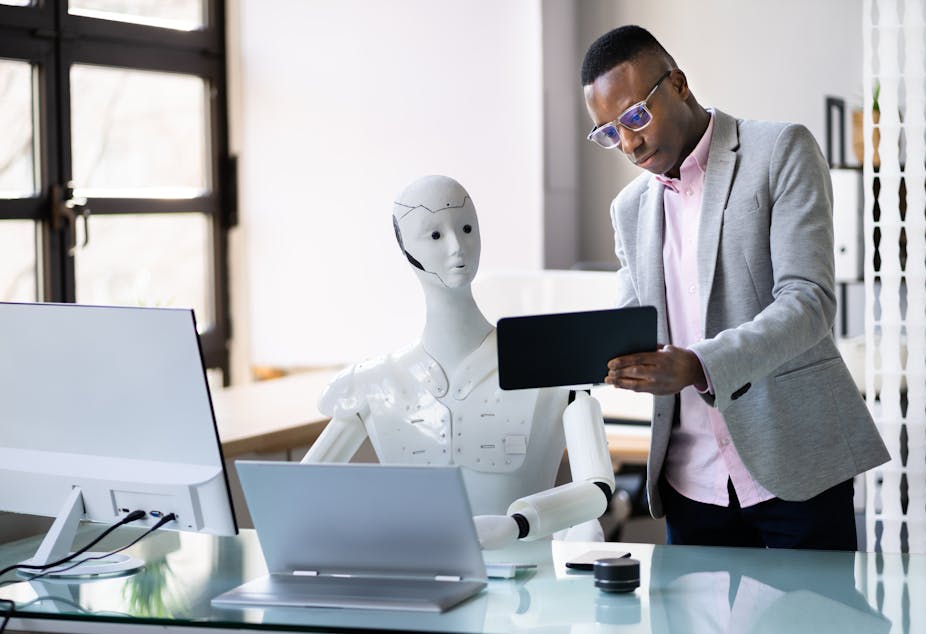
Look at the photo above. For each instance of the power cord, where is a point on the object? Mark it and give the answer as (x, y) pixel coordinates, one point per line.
(7, 614)
(131, 517)
(167, 518)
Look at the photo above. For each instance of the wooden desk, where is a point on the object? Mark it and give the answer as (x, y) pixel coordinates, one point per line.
(282, 414)
(271, 416)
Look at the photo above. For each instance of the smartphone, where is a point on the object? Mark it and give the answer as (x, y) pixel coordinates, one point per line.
(586, 561)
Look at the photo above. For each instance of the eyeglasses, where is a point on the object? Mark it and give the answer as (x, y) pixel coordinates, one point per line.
(634, 118)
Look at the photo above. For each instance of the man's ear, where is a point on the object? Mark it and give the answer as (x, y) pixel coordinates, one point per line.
(680, 83)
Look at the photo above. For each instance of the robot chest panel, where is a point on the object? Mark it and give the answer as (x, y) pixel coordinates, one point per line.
(489, 430)
(415, 429)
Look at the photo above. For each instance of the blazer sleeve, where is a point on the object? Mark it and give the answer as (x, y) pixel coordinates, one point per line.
(801, 251)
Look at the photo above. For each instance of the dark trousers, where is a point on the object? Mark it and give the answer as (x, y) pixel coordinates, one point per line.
(824, 522)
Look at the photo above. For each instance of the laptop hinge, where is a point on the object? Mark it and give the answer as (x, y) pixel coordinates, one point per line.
(314, 573)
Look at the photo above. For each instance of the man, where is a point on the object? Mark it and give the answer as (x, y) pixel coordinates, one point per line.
(758, 428)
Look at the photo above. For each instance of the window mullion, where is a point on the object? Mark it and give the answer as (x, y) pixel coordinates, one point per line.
(55, 41)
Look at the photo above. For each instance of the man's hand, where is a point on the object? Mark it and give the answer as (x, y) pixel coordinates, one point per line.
(666, 371)
(496, 531)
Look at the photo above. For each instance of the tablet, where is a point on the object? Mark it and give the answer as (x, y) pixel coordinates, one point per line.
(570, 349)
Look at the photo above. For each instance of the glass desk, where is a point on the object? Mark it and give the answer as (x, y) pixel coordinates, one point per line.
(683, 589)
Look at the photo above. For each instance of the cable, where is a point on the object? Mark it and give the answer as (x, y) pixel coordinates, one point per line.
(167, 518)
(12, 605)
(131, 517)
(46, 567)
(7, 614)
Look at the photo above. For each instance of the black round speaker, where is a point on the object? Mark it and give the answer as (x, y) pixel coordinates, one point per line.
(617, 575)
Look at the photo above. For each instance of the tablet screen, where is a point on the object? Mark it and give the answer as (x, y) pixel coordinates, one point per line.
(570, 348)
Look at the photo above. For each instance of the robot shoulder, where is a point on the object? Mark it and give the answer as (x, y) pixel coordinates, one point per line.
(345, 394)
(396, 374)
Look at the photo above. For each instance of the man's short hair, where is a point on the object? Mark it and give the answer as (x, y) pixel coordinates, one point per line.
(623, 44)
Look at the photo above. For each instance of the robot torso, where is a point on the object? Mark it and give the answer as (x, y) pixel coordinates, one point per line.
(415, 412)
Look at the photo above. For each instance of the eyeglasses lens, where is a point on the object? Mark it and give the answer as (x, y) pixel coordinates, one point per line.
(636, 118)
(607, 136)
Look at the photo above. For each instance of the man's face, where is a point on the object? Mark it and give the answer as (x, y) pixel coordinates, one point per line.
(445, 242)
(658, 147)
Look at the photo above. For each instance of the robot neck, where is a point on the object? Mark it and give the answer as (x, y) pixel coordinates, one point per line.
(454, 325)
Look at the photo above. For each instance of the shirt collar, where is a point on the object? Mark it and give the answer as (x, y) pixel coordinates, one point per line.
(695, 164)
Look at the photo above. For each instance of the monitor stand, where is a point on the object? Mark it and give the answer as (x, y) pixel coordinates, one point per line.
(57, 545)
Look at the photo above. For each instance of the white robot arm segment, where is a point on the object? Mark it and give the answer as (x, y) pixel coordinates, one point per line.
(587, 497)
(338, 442)
(496, 531)
(587, 442)
(564, 506)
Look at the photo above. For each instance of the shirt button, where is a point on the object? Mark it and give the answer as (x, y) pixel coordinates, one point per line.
(724, 442)
(692, 289)
(688, 192)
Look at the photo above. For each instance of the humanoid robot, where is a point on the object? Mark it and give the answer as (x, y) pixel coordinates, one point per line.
(438, 401)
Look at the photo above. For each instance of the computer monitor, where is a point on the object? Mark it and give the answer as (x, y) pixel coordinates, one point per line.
(104, 411)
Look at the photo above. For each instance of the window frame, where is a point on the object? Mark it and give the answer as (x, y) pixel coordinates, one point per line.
(47, 36)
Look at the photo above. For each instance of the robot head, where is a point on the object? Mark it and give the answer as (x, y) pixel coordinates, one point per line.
(436, 226)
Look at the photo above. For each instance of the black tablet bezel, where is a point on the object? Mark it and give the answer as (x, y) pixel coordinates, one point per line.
(570, 349)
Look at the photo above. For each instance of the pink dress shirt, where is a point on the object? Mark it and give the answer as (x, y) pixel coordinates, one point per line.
(701, 456)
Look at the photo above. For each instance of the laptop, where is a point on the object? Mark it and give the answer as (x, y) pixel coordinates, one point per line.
(365, 536)
(570, 349)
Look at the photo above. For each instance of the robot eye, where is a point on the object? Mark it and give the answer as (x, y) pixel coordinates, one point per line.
(467, 229)
(435, 235)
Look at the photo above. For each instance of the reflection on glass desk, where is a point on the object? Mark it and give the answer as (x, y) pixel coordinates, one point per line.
(683, 589)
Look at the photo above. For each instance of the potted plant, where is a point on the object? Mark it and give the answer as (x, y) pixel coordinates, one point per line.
(858, 144)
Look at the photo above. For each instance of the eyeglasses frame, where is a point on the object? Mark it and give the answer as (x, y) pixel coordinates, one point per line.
(643, 103)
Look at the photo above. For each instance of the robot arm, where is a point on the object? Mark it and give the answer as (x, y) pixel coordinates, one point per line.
(587, 443)
(586, 498)
(339, 441)
(345, 432)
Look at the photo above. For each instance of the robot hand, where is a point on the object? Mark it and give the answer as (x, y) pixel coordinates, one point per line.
(496, 531)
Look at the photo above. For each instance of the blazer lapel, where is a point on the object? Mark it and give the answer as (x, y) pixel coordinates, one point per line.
(721, 164)
(652, 279)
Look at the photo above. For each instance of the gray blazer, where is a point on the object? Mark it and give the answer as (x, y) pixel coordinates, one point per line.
(765, 268)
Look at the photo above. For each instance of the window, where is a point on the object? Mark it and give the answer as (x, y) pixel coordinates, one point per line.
(115, 182)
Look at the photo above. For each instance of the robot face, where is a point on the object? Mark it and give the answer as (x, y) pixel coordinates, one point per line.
(444, 242)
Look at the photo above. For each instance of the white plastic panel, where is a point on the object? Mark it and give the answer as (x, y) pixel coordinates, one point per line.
(894, 32)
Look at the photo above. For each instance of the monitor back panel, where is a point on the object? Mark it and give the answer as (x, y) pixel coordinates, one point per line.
(71, 374)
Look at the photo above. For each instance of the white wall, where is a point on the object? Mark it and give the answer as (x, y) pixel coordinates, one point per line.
(342, 103)
(336, 104)
(750, 58)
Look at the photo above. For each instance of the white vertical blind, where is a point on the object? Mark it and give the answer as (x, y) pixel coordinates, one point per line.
(895, 269)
